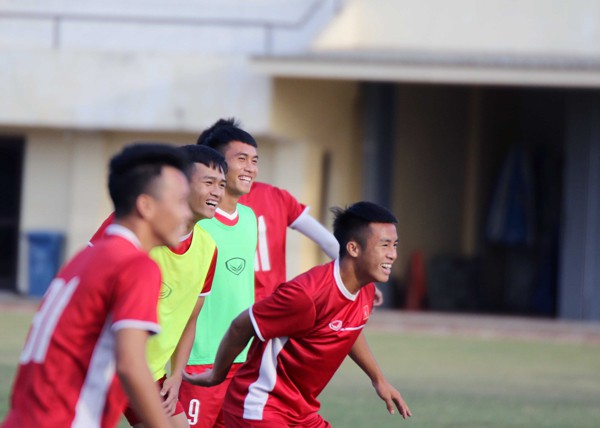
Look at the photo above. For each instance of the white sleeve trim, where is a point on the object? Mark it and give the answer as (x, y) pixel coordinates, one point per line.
(204, 294)
(312, 229)
(151, 327)
(256, 329)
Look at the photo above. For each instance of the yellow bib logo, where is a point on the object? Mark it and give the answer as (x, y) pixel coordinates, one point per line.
(165, 291)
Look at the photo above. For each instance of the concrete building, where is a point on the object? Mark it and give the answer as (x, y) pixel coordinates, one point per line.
(418, 105)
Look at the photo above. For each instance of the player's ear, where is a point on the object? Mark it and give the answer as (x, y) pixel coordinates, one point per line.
(353, 248)
(145, 205)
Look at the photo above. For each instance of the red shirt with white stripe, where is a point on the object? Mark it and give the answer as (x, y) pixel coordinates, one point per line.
(275, 210)
(66, 375)
(304, 331)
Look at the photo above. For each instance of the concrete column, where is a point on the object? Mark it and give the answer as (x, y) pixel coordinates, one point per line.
(579, 288)
(377, 152)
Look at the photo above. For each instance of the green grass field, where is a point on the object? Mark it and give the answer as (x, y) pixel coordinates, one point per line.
(447, 381)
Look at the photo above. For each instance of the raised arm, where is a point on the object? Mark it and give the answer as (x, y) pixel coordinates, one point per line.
(362, 356)
(235, 340)
(316, 232)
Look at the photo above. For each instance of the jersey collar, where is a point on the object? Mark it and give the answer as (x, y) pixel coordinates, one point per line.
(226, 218)
(123, 232)
(339, 283)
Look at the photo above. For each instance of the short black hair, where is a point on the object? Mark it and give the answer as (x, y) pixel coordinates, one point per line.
(134, 170)
(351, 223)
(223, 132)
(206, 156)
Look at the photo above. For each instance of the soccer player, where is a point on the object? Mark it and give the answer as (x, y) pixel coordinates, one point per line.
(234, 230)
(304, 330)
(97, 314)
(187, 274)
(276, 210)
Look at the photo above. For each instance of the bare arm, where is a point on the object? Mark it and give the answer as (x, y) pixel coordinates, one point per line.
(235, 340)
(170, 389)
(135, 376)
(362, 356)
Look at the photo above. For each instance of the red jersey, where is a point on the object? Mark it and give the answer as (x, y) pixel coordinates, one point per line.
(102, 229)
(275, 210)
(304, 331)
(66, 376)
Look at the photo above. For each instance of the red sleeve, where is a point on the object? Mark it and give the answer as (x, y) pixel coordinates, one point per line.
(289, 311)
(291, 204)
(136, 295)
(100, 232)
(210, 275)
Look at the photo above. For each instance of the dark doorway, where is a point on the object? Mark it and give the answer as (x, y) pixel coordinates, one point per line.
(524, 133)
(11, 173)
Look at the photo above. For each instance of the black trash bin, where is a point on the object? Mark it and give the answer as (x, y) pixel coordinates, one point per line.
(45, 251)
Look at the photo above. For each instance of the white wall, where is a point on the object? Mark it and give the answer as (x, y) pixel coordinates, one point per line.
(159, 66)
(110, 91)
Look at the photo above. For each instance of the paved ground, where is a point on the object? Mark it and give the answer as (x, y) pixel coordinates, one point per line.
(445, 324)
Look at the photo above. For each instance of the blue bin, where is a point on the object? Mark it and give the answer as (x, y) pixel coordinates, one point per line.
(45, 251)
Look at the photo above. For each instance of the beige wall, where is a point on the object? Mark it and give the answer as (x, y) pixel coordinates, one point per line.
(62, 178)
(61, 183)
(324, 113)
(429, 169)
(316, 117)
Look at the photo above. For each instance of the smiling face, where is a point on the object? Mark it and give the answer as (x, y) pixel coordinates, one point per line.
(377, 253)
(242, 165)
(207, 186)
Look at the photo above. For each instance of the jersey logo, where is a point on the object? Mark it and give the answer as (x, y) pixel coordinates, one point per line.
(366, 312)
(235, 265)
(335, 325)
(165, 290)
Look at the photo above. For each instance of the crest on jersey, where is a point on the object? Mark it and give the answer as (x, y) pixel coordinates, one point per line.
(366, 312)
(335, 325)
(235, 265)
(165, 290)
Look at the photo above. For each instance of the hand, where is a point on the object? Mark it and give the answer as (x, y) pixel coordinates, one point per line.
(202, 379)
(170, 393)
(392, 397)
(378, 297)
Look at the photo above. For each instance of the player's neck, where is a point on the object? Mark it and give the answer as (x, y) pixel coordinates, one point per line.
(190, 226)
(141, 230)
(350, 276)
(229, 203)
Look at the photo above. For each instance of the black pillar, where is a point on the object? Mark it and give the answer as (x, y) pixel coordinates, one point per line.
(579, 287)
(377, 153)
